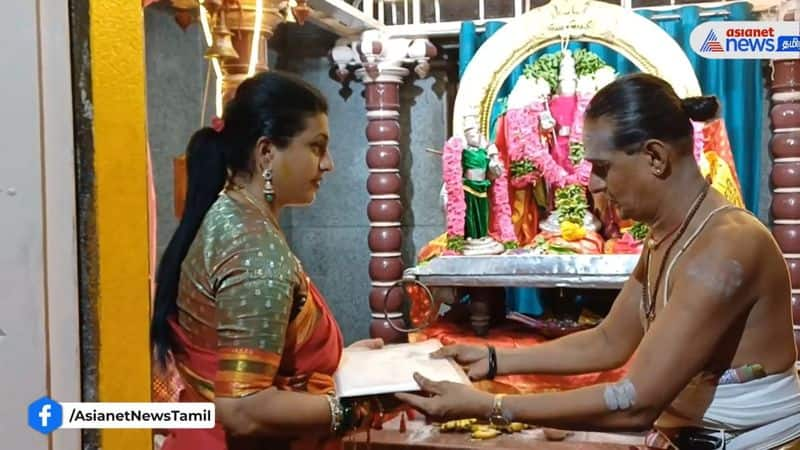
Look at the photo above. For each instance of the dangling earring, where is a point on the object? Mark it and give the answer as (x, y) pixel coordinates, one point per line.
(269, 192)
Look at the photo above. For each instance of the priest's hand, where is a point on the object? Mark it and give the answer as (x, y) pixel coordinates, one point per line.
(474, 357)
(366, 344)
(448, 400)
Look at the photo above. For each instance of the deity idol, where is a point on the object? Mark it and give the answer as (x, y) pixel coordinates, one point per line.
(480, 165)
(475, 202)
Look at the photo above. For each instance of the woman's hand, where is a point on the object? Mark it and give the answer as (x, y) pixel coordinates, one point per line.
(366, 344)
(474, 357)
(449, 400)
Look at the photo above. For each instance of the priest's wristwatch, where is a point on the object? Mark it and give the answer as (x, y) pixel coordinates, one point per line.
(498, 418)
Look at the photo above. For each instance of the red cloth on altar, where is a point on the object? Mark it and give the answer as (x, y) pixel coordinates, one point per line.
(510, 335)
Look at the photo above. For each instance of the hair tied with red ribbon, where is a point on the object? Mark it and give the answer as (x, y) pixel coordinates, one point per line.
(217, 124)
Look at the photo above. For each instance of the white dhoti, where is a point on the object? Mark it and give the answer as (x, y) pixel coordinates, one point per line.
(760, 414)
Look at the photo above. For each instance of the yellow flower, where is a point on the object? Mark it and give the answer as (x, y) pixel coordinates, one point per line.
(572, 232)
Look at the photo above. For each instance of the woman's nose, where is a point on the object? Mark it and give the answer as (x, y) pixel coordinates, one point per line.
(326, 163)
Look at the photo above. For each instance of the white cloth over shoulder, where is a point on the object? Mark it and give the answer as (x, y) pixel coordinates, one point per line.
(758, 414)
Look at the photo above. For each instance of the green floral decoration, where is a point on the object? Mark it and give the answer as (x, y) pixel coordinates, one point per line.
(521, 168)
(586, 62)
(571, 204)
(639, 231)
(576, 152)
(547, 66)
(455, 243)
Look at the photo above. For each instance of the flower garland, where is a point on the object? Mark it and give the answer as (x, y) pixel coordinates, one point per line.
(583, 168)
(527, 151)
(524, 144)
(552, 172)
(500, 209)
(456, 203)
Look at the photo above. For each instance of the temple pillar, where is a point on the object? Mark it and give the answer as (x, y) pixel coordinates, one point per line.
(385, 209)
(785, 149)
(378, 62)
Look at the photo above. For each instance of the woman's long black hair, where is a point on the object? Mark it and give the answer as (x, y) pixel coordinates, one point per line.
(271, 104)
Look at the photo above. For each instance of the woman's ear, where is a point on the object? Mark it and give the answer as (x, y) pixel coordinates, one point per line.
(264, 153)
(658, 156)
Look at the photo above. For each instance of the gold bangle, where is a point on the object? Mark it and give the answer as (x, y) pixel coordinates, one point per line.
(337, 412)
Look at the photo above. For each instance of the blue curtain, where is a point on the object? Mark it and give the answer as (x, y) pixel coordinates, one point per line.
(737, 83)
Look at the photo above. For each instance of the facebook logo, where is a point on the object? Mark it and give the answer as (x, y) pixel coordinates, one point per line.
(45, 415)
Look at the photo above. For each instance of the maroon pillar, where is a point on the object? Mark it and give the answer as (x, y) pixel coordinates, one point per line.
(385, 209)
(785, 149)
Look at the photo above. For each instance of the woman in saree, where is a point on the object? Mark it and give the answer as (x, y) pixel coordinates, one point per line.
(234, 311)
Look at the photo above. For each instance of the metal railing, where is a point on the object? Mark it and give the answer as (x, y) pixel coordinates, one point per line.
(443, 17)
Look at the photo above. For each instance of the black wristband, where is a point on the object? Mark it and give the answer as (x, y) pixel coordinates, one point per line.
(492, 363)
(350, 416)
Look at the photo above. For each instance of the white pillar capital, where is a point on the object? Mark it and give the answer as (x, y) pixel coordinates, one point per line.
(377, 57)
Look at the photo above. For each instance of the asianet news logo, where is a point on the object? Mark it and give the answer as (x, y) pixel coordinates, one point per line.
(746, 40)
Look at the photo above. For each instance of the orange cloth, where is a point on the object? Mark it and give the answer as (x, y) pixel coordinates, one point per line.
(524, 215)
(510, 335)
(433, 249)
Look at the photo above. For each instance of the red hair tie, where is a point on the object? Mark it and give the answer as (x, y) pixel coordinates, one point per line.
(217, 124)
